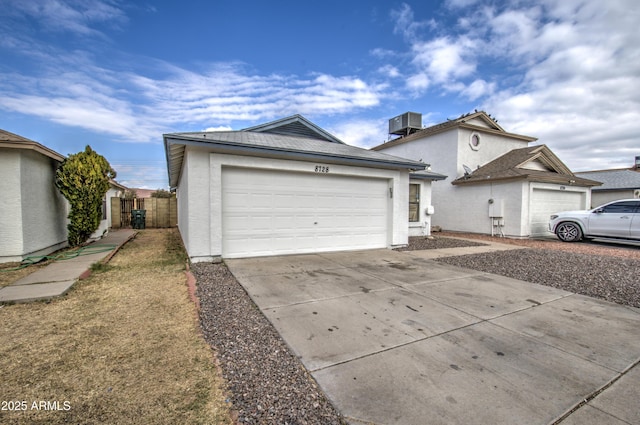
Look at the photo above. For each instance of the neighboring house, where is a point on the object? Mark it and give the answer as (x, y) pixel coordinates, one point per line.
(116, 190)
(143, 193)
(33, 213)
(286, 187)
(616, 184)
(496, 184)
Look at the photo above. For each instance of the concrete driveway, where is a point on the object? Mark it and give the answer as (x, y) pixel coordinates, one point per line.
(397, 338)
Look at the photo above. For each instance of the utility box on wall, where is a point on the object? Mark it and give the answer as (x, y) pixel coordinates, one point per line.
(496, 207)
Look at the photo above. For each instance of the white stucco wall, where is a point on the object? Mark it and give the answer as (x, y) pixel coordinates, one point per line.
(193, 193)
(200, 197)
(422, 227)
(10, 209)
(34, 216)
(471, 210)
(440, 151)
(491, 147)
(105, 224)
(182, 200)
(465, 208)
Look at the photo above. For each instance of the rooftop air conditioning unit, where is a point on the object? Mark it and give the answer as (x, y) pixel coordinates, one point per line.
(405, 124)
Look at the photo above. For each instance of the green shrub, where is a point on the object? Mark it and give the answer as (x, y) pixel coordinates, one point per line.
(83, 179)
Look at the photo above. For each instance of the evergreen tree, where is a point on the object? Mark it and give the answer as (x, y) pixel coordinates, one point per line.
(83, 179)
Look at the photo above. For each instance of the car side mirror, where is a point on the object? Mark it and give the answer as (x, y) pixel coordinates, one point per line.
(599, 211)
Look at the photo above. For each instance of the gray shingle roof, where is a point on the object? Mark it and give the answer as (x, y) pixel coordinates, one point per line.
(613, 179)
(295, 125)
(277, 146)
(512, 165)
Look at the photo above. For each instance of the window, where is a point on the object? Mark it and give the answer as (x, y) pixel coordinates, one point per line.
(414, 202)
(104, 208)
(474, 141)
(625, 207)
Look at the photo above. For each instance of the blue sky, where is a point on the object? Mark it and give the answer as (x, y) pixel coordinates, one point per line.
(118, 74)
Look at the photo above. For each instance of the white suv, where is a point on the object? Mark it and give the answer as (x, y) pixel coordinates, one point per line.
(618, 219)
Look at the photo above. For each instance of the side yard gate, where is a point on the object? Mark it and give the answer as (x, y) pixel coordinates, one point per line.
(160, 212)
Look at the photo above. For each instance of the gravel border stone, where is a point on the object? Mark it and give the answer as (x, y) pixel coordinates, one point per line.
(267, 384)
(418, 243)
(609, 278)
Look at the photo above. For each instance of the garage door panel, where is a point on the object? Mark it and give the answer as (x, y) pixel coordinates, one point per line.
(545, 202)
(270, 212)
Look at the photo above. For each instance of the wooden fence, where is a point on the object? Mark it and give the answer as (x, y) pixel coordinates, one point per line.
(160, 212)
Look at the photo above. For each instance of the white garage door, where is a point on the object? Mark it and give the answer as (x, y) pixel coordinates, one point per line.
(545, 202)
(271, 212)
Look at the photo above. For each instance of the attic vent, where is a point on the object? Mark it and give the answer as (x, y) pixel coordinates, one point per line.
(405, 124)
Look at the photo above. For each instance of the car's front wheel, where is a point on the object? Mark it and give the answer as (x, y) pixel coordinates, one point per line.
(568, 232)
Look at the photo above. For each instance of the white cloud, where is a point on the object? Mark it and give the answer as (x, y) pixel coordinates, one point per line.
(478, 88)
(418, 83)
(219, 128)
(361, 132)
(444, 58)
(460, 3)
(74, 91)
(565, 72)
(75, 16)
(405, 24)
(389, 71)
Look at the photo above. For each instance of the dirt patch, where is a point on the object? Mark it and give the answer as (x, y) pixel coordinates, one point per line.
(123, 346)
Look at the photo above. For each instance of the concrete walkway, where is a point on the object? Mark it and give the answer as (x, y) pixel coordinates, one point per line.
(397, 338)
(58, 277)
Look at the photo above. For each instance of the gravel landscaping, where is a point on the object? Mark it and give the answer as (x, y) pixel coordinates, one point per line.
(269, 385)
(417, 243)
(607, 277)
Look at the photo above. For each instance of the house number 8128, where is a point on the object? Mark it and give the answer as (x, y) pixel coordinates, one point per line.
(322, 169)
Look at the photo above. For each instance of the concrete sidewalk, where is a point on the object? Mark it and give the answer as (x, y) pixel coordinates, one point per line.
(58, 277)
(396, 338)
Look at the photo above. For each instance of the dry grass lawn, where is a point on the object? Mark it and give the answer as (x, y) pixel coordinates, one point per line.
(10, 272)
(122, 347)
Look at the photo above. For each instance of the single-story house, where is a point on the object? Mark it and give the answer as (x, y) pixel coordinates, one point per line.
(616, 184)
(116, 190)
(33, 213)
(287, 187)
(143, 193)
(496, 183)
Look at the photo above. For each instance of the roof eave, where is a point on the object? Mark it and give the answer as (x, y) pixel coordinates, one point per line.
(427, 176)
(564, 180)
(440, 128)
(35, 146)
(271, 152)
